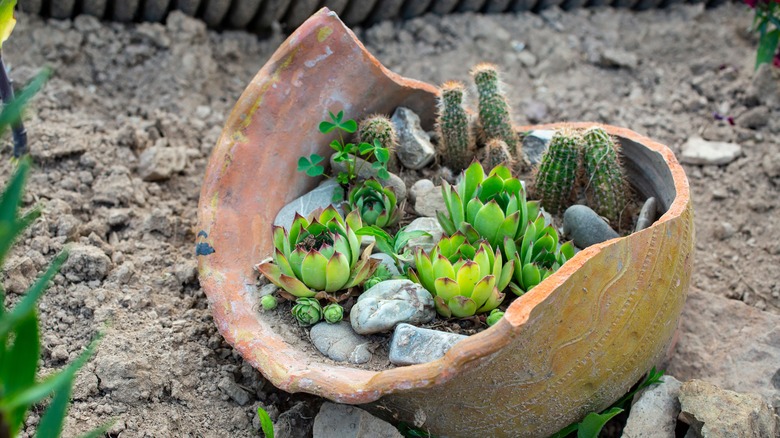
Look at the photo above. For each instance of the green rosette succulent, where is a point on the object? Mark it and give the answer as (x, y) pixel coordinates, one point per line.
(490, 207)
(307, 311)
(537, 256)
(377, 205)
(318, 254)
(464, 278)
(494, 316)
(333, 313)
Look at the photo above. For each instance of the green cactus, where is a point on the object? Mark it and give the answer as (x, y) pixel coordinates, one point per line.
(605, 184)
(496, 153)
(456, 139)
(557, 172)
(379, 127)
(494, 115)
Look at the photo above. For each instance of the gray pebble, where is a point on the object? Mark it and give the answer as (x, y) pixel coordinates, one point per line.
(340, 343)
(586, 227)
(412, 345)
(390, 303)
(647, 214)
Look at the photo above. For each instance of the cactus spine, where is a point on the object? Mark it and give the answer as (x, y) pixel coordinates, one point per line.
(379, 127)
(456, 140)
(605, 185)
(494, 115)
(557, 173)
(496, 152)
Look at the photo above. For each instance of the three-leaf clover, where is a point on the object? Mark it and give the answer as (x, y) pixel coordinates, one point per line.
(349, 126)
(311, 165)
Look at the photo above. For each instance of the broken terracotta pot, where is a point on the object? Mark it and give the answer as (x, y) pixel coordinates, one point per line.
(572, 345)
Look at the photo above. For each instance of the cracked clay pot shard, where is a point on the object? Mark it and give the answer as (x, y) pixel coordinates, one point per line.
(572, 345)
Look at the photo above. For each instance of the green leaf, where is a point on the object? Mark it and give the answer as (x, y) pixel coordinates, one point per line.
(566, 431)
(265, 422)
(383, 174)
(349, 126)
(376, 165)
(7, 20)
(19, 373)
(365, 148)
(315, 171)
(51, 422)
(13, 110)
(99, 432)
(45, 387)
(403, 237)
(382, 155)
(767, 47)
(593, 423)
(326, 127)
(27, 304)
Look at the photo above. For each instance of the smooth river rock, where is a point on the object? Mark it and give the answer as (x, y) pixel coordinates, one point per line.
(340, 343)
(320, 197)
(412, 345)
(586, 227)
(390, 303)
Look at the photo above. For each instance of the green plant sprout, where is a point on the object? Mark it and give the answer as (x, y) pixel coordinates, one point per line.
(767, 12)
(19, 334)
(266, 425)
(591, 425)
(346, 152)
(393, 245)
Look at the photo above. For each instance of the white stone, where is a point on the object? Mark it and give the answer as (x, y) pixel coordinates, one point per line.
(699, 151)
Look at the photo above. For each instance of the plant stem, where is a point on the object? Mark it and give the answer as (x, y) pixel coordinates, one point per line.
(17, 127)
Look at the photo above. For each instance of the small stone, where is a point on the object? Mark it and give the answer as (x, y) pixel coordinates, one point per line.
(535, 144)
(527, 58)
(429, 202)
(345, 421)
(766, 85)
(390, 303)
(415, 149)
(365, 171)
(231, 388)
(654, 411)
(699, 151)
(412, 345)
(59, 353)
(387, 261)
(418, 187)
(320, 197)
(20, 272)
(715, 412)
(159, 163)
(430, 226)
(724, 230)
(614, 58)
(647, 214)
(267, 289)
(771, 164)
(754, 118)
(340, 343)
(114, 187)
(86, 262)
(586, 227)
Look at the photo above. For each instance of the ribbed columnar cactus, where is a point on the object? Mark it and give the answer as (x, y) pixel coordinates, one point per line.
(494, 114)
(456, 139)
(379, 127)
(496, 153)
(605, 184)
(558, 171)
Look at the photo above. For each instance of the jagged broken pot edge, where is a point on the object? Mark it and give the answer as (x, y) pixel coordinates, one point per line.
(318, 68)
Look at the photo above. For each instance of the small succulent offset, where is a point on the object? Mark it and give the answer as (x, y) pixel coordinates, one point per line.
(464, 278)
(605, 183)
(381, 274)
(494, 316)
(377, 205)
(457, 142)
(321, 253)
(269, 302)
(346, 152)
(490, 206)
(537, 256)
(307, 311)
(333, 313)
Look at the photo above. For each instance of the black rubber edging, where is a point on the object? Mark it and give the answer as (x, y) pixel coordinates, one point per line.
(259, 15)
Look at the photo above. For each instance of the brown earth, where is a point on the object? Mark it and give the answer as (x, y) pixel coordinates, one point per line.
(162, 369)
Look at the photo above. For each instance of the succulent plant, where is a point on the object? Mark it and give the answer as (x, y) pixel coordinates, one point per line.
(457, 142)
(463, 278)
(494, 115)
(307, 311)
(378, 127)
(558, 170)
(333, 313)
(381, 274)
(605, 183)
(321, 253)
(269, 302)
(487, 206)
(496, 153)
(377, 204)
(537, 256)
(493, 317)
